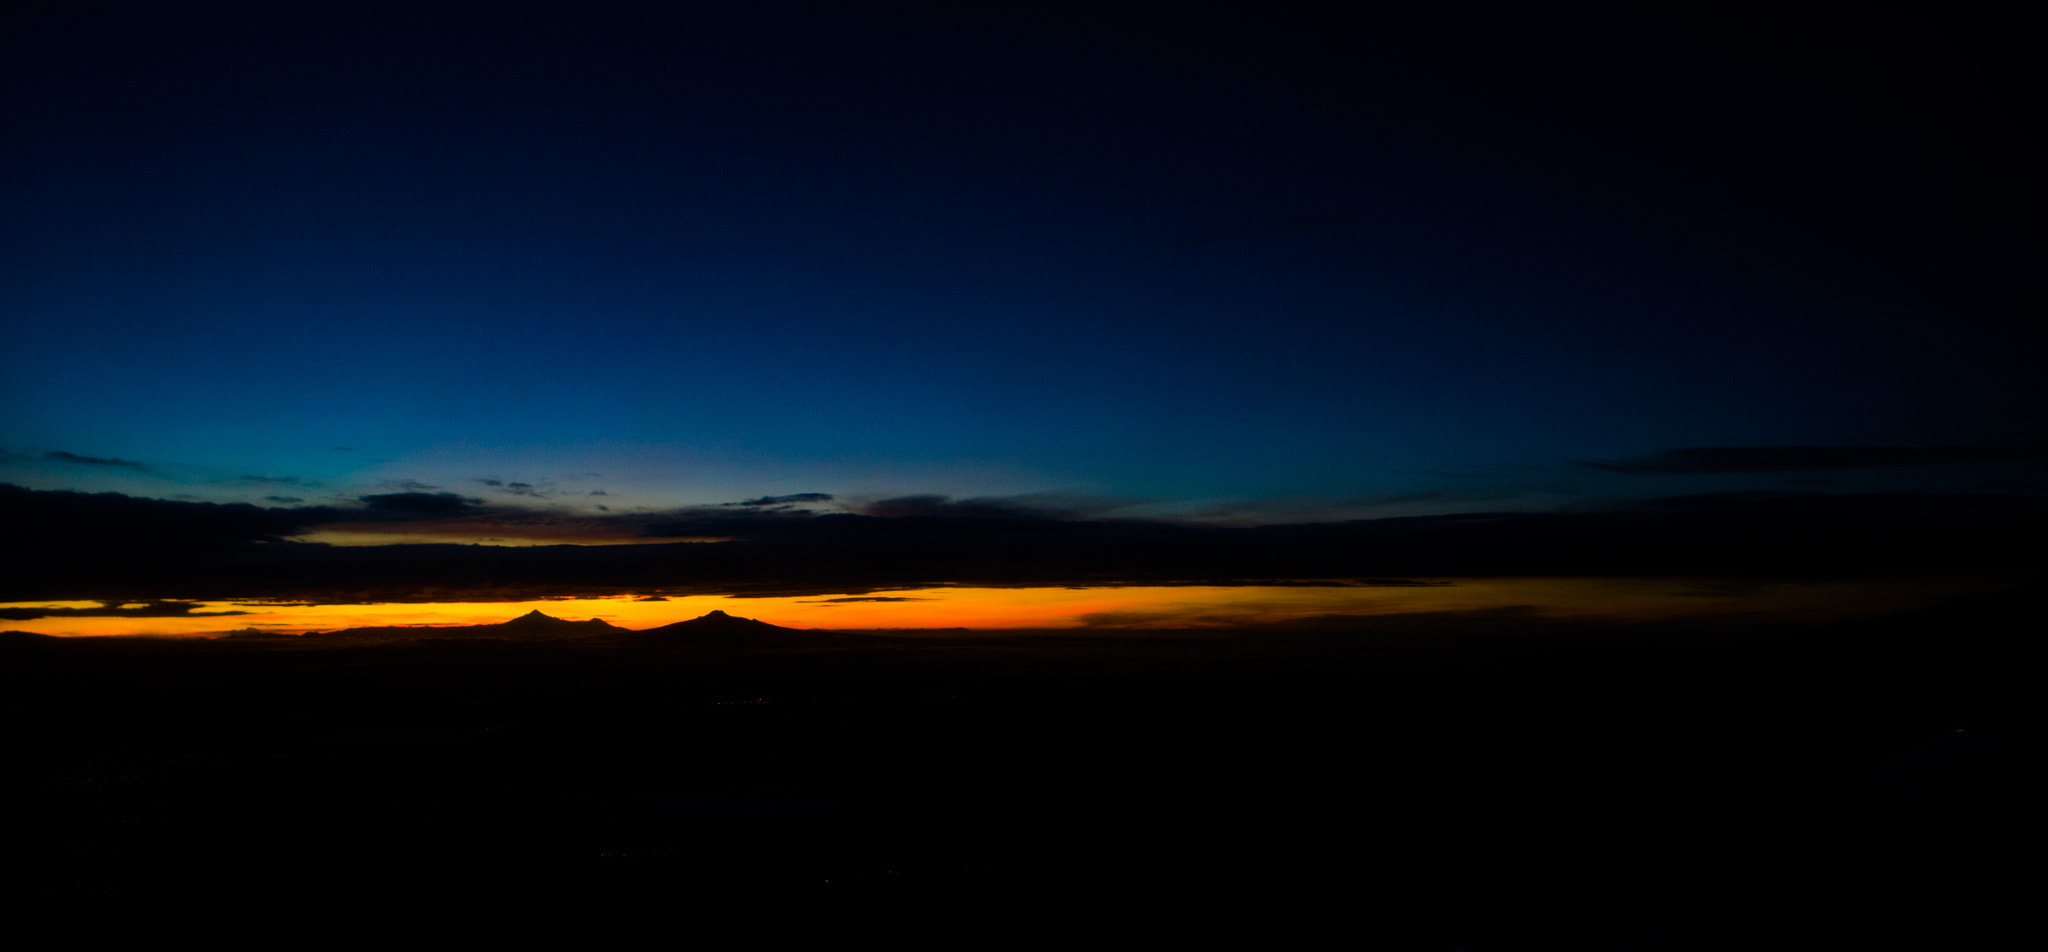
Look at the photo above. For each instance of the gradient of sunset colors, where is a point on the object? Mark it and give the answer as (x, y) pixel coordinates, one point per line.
(1619, 600)
(873, 298)
(1251, 266)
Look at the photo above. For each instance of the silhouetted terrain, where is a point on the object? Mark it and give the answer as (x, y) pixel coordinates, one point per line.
(532, 626)
(1421, 789)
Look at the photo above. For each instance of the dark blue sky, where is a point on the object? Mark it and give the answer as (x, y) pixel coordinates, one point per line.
(1274, 265)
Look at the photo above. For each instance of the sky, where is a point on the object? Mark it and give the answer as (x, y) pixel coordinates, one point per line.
(523, 274)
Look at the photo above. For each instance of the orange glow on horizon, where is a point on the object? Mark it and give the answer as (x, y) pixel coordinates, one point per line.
(1138, 607)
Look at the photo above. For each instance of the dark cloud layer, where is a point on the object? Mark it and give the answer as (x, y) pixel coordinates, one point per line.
(60, 456)
(787, 500)
(869, 598)
(419, 505)
(110, 546)
(158, 608)
(72, 522)
(945, 508)
(1773, 459)
(514, 488)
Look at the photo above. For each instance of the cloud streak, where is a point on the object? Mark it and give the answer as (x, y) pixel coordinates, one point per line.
(418, 505)
(868, 598)
(1777, 459)
(108, 546)
(163, 608)
(516, 488)
(59, 456)
(785, 500)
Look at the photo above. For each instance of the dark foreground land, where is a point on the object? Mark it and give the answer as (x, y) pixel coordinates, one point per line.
(1511, 788)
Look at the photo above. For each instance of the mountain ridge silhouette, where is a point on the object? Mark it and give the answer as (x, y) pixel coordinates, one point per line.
(713, 627)
(535, 625)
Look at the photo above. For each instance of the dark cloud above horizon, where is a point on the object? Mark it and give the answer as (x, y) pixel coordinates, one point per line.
(936, 506)
(790, 499)
(418, 505)
(60, 456)
(1773, 459)
(111, 546)
(870, 598)
(1032, 506)
(517, 488)
(159, 608)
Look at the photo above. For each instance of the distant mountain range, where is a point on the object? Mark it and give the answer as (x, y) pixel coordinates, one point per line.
(716, 627)
(719, 626)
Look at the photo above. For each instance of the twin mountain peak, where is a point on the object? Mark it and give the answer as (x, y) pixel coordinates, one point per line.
(536, 625)
(713, 621)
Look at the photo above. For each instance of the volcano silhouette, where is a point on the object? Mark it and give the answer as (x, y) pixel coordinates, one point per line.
(717, 627)
(532, 626)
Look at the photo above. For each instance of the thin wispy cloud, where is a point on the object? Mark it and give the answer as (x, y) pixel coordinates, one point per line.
(866, 598)
(60, 456)
(791, 499)
(275, 481)
(1777, 459)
